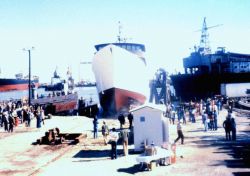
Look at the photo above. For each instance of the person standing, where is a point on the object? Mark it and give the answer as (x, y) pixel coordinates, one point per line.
(130, 119)
(19, 114)
(26, 116)
(168, 110)
(215, 114)
(95, 125)
(42, 116)
(11, 123)
(233, 126)
(105, 132)
(183, 115)
(227, 126)
(124, 137)
(205, 120)
(180, 133)
(16, 119)
(173, 114)
(38, 118)
(194, 111)
(5, 120)
(113, 137)
(121, 119)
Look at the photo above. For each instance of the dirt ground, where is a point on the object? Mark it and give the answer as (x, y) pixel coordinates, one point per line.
(204, 153)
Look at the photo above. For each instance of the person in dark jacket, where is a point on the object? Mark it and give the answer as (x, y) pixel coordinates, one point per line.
(233, 126)
(5, 121)
(95, 125)
(11, 123)
(227, 127)
(130, 119)
(121, 119)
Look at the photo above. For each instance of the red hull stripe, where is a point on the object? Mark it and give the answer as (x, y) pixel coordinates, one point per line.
(65, 106)
(122, 98)
(4, 88)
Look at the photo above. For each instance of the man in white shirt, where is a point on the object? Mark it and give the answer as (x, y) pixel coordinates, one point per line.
(180, 134)
(113, 137)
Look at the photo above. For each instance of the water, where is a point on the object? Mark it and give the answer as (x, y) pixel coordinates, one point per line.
(85, 92)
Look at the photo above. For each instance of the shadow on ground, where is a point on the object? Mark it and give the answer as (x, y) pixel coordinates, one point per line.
(239, 150)
(241, 173)
(91, 155)
(130, 170)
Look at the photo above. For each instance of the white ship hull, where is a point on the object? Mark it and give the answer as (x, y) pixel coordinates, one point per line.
(121, 78)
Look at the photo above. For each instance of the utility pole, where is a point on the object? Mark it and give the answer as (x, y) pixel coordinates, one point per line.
(29, 52)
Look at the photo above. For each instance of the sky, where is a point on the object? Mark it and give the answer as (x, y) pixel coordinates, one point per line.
(64, 32)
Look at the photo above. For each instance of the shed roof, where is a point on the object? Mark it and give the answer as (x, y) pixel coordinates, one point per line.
(159, 107)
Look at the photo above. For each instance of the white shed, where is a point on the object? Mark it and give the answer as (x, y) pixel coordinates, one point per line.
(150, 125)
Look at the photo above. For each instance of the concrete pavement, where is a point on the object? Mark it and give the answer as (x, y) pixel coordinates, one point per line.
(204, 153)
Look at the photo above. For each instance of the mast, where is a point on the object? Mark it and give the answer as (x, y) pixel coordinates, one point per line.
(204, 42)
(119, 32)
(121, 39)
(204, 47)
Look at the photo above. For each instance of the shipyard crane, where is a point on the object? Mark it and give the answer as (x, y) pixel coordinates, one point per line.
(158, 88)
(204, 46)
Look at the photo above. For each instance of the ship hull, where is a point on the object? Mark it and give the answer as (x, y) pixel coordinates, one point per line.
(15, 84)
(121, 79)
(194, 87)
(119, 100)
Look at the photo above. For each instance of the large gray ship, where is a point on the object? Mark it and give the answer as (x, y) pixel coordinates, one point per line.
(206, 73)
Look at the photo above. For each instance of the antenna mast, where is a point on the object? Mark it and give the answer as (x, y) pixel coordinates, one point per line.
(119, 32)
(119, 37)
(204, 42)
(204, 47)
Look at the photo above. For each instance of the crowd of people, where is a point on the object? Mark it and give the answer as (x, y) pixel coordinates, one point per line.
(13, 113)
(208, 110)
(205, 110)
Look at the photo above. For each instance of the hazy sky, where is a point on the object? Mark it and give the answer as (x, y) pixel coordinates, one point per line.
(64, 32)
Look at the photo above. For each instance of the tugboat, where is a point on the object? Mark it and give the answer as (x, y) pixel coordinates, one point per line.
(58, 84)
(62, 99)
(207, 73)
(121, 75)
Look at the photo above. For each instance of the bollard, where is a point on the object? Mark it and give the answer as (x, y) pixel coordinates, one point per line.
(49, 116)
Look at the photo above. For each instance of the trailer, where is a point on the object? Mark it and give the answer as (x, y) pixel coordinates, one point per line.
(233, 90)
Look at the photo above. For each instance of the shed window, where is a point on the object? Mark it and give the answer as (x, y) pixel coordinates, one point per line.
(142, 119)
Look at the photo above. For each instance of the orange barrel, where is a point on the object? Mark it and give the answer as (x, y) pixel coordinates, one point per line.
(173, 157)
